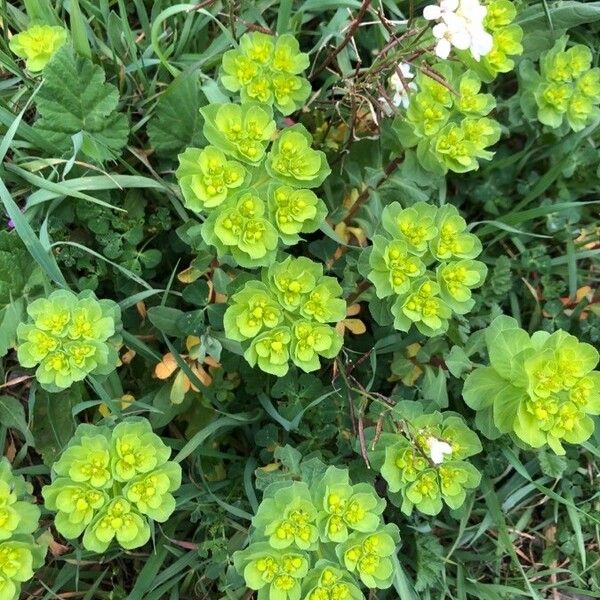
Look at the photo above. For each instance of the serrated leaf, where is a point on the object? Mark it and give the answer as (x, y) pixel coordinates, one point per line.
(53, 424)
(16, 271)
(552, 464)
(75, 98)
(176, 123)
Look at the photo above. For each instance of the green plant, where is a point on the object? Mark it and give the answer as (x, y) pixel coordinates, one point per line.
(108, 483)
(566, 88)
(318, 539)
(20, 554)
(422, 456)
(68, 337)
(507, 36)
(267, 70)
(38, 44)
(285, 316)
(252, 207)
(541, 388)
(422, 260)
(447, 123)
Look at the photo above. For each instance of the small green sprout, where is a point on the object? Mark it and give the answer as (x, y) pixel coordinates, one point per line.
(68, 337)
(108, 483)
(38, 44)
(286, 316)
(541, 389)
(267, 70)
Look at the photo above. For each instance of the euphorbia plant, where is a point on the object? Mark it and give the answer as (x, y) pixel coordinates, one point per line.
(318, 539)
(540, 388)
(108, 484)
(422, 456)
(20, 554)
(255, 200)
(267, 69)
(565, 90)
(286, 316)
(68, 337)
(422, 263)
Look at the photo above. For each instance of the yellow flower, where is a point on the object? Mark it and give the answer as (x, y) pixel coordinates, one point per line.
(38, 44)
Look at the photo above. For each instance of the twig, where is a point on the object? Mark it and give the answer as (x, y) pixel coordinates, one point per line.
(352, 29)
(364, 195)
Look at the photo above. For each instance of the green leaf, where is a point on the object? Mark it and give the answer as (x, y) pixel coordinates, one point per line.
(457, 361)
(12, 415)
(434, 387)
(552, 464)
(16, 270)
(53, 424)
(176, 123)
(165, 319)
(482, 386)
(75, 98)
(563, 15)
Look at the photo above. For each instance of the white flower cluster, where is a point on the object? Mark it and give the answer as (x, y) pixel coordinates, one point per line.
(459, 24)
(401, 85)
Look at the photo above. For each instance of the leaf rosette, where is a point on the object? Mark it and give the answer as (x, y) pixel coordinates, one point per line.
(69, 336)
(542, 389)
(108, 484)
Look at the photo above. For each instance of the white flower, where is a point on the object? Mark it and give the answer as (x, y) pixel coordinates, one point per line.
(401, 86)
(452, 31)
(459, 24)
(437, 450)
(434, 12)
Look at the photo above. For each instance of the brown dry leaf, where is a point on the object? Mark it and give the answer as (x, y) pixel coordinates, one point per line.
(166, 367)
(211, 362)
(128, 356)
(353, 310)
(356, 326)
(141, 308)
(201, 374)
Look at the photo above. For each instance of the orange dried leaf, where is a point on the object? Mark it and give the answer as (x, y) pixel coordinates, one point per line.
(166, 367)
(356, 326)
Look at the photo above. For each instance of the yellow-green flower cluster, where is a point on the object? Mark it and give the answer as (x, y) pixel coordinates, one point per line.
(319, 542)
(285, 316)
(507, 37)
(424, 460)
(422, 262)
(108, 483)
(20, 554)
(541, 388)
(68, 337)
(268, 70)
(254, 198)
(447, 124)
(38, 44)
(566, 89)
